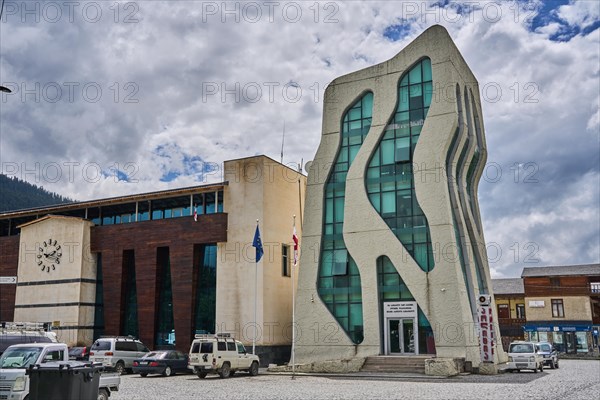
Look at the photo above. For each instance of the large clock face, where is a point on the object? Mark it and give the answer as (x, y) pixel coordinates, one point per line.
(49, 254)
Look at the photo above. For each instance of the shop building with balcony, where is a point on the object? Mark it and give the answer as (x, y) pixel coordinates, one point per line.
(562, 305)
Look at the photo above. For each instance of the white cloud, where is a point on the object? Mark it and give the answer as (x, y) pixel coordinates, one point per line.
(582, 13)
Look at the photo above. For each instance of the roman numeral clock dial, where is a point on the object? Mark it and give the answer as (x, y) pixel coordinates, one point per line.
(49, 254)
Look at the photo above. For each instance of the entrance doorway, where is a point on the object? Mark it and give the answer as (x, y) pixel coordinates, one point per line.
(400, 328)
(571, 343)
(401, 334)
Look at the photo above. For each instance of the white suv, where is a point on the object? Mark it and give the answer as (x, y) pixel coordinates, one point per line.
(524, 355)
(117, 352)
(220, 354)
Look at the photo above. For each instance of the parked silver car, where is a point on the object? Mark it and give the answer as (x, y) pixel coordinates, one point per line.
(549, 353)
(117, 352)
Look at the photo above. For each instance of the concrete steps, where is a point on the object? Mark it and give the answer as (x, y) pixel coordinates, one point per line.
(400, 364)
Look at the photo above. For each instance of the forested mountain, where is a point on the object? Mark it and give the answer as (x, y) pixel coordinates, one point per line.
(16, 194)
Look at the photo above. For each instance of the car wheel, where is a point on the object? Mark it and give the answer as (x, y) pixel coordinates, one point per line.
(120, 368)
(225, 371)
(201, 374)
(518, 370)
(535, 371)
(144, 374)
(542, 367)
(102, 394)
(167, 371)
(253, 371)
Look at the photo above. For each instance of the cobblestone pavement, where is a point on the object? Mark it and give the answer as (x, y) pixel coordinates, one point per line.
(575, 380)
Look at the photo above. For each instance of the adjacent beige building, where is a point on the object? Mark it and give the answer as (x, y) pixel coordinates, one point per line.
(162, 266)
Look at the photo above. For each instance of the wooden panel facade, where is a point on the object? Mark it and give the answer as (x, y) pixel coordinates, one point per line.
(557, 286)
(9, 261)
(144, 238)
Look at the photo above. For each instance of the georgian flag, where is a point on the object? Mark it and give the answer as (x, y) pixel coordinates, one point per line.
(295, 239)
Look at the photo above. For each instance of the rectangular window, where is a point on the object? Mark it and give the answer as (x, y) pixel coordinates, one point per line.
(582, 346)
(555, 282)
(558, 310)
(285, 260)
(340, 264)
(402, 149)
(520, 310)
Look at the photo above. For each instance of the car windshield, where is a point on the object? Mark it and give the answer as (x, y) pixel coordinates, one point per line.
(101, 345)
(521, 348)
(545, 348)
(19, 357)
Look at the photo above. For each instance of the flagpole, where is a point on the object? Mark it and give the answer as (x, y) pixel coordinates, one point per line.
(255, 299)
(294, 312)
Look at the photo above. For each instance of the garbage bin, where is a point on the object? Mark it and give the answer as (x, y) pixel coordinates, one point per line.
(68, 380)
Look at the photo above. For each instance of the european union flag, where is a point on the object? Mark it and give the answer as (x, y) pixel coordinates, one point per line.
(258, 244)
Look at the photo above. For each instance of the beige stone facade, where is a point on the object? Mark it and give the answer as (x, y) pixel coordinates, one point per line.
(258, 188)
(442, 294)
(576, 308)
(57, 277)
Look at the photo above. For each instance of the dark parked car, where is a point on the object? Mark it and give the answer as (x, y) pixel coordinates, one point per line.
(165, 362)
(549, 353)
(79, 353)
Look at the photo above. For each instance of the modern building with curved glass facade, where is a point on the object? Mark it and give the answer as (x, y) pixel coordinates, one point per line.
(393, 259)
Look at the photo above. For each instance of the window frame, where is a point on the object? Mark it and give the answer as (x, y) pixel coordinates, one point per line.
(558, 308)
(285, 260)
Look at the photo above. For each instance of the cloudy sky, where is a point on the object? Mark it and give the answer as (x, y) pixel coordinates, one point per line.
(114, 98)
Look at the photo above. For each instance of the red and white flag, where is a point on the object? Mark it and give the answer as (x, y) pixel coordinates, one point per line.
(295, 239)
(195, 213)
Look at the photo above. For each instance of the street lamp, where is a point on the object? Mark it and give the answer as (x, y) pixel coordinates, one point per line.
(3, 88)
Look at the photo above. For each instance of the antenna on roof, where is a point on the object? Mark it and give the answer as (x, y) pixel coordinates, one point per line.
(282, 141)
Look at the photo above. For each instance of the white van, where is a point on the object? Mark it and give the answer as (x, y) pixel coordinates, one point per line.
(524, 355)
(117, 352)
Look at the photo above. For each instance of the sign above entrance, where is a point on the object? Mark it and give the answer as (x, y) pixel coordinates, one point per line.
(400, 309)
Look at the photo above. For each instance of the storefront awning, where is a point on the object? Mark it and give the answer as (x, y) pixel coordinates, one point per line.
(558, 327)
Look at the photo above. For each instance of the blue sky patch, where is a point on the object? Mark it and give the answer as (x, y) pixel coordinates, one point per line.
(178, 163)
(548, 14)
(396, 32)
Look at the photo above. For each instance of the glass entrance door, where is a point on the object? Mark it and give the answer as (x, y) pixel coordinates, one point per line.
(401, 336)
(394, 336)
(408, 337)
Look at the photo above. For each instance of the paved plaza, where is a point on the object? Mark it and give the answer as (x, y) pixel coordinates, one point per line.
(576, 380)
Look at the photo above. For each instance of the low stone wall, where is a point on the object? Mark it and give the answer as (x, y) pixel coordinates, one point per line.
(444, 366)
(332, 366)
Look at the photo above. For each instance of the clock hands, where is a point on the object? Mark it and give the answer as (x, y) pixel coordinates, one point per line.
(49, 259)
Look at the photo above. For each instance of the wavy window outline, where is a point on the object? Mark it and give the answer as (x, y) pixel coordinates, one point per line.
(389, 181)
(338, 281)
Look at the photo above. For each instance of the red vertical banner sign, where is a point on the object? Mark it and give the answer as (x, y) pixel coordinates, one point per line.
(486, 333)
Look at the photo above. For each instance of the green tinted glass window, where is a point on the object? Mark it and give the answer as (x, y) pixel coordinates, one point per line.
(393, 194)
(338, 284)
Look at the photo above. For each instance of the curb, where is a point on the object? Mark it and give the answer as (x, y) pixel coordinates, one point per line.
(364, 376)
